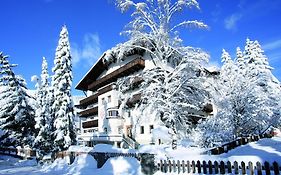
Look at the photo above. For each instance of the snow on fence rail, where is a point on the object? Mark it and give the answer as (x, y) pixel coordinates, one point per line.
(22, 153)
(146, 160)
(216, 167)
(238, 142)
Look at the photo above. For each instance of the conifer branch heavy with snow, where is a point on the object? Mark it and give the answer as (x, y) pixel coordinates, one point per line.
(16, 111)
(44, 117)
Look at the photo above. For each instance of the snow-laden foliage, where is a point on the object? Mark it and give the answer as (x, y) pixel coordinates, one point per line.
(63, 105)
(153, 23)
(178, 96)
(174, 96)
(16, 112)
(247, 96)
(174, 88)
(44, 118)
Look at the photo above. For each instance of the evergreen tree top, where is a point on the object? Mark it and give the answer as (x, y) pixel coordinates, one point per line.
(225, 57)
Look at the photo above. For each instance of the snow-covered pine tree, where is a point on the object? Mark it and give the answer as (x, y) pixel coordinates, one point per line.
(240, 62)
(218, 129)
(16, 112)
(250, 105)
(44, 118)
(260, 73)
(63, 105)
(175, 82)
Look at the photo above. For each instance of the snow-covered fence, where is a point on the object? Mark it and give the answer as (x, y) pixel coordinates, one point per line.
(146, 160)
(218, 167)
(22, 153)
(238, 142)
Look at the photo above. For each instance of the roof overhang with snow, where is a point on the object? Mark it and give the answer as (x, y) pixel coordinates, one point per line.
(92, 74)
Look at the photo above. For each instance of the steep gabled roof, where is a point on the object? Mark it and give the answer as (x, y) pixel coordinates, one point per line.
(119, 52)
(92, 74)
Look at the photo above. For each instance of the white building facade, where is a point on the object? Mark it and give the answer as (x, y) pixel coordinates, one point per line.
(101, 121)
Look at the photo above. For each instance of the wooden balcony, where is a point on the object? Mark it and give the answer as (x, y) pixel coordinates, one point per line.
(127, 69)
(90, 124)
(89, 112)
(94, 98)
(89, 100)
(133, 100)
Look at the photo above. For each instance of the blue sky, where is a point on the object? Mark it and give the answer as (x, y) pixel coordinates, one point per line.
(30, 30)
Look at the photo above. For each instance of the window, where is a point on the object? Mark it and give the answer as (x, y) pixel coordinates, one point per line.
(113, 113)
(120, 130)
(150, 128)
(109, 99)
(142, 130)
(102, 101)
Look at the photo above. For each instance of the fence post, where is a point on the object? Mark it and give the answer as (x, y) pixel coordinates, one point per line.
(276, 168)
(193, 167)
(259, 168)
(170, 166)
(71, 157)
(148, 163)
(188, 166)
(165, 166)
(161, 166)
(236, 167)
(222, 167)
(183, 166)
(267, 168)
(243, 166)
(229, 168)
(210, 167)
(199, 166)
(216, 164)
(204, 167)
(174, 166)
(179, 166)
(251, 168)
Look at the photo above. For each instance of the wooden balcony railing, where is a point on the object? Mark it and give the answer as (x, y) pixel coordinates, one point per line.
(127, 69)
(89, 112)
(94, 98)
(90, 124)
(133, 100)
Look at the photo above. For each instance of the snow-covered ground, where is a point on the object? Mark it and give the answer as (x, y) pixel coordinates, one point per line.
(263, 150)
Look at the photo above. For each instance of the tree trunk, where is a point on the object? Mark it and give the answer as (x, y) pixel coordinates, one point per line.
(174, 139)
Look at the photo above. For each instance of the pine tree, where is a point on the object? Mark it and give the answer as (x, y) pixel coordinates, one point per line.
(240, 59)
(250, 105)
(259, 72)
(16, 112)
(44, 117)
(63, 105)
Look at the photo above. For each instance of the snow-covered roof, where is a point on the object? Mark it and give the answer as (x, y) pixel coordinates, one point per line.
(118, 53)
(91, 75)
